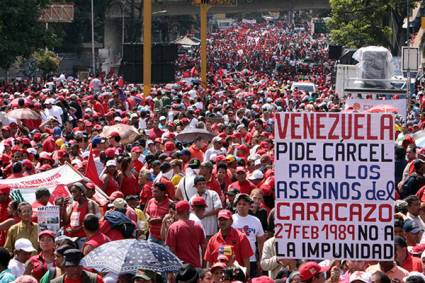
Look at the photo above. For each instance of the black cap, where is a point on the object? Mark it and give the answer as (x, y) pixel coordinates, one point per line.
(399, 241)
(72, 257)
(232, 192)
(187, 274)
(199, 179)
(244, 197)
(194, 164)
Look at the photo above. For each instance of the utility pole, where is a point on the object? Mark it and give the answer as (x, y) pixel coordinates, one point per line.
(147, 47)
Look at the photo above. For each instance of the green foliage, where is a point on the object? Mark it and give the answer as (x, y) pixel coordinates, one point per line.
(47, 61)
(358, 23)
(20, 31)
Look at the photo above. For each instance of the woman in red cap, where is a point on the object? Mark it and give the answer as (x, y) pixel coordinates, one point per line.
(39, 264)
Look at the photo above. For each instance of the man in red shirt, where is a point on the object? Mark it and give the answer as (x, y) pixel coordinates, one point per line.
(242, 184)
(404, 258)
(185, 237)
(95, 238)
(206, 170)
(228, 236)
(155, 210)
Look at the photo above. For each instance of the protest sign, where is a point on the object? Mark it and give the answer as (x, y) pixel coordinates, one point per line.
(363, 105)
(55, 180)
(334, 186)
(48, 218)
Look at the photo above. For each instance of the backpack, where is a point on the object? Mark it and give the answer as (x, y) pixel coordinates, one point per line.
(121, 222)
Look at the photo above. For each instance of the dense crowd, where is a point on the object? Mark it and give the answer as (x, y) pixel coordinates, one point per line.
(210, 201)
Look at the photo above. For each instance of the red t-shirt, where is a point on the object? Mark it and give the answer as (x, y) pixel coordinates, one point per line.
(240, 246)
(171, 190)
(196, 153)
(146, 193)
(77, 218)
(97, 240)
(412, 263)
(3, 216)
(157, 210)
(244, 187)
(214, 185)
(185, 238)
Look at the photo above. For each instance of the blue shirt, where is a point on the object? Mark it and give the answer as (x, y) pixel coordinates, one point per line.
(6, 276)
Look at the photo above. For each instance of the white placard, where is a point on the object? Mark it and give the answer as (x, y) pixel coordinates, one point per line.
(334, 186)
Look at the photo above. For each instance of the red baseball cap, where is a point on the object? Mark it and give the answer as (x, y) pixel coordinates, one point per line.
(218, 265)
(46, 233)
(114, 134)
(262, 279)
(110, 152)
(115, 195)
(224, 213)
(199, 201)
(182, 206)
(136, 149)
(310, 269)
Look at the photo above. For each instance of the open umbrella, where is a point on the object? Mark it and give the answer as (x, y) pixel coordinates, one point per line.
(189, 134)
(130, 255)
(385, 108)
(127, 133)
(23, 114)
(419, 138)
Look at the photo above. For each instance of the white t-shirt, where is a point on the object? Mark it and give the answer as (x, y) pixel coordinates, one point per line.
(16, 267)
(211, 151)
(251, 226)
(187, 185)
(213, 202)
(55, 111)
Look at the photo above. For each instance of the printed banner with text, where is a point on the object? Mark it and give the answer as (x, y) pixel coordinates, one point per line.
(334, 186)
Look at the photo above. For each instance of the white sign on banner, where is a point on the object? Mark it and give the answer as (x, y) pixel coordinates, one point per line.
(334, 186)
(48, 218)
(363, 105)
(410, 59)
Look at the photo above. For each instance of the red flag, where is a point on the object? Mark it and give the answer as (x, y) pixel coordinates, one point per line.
(91, 171)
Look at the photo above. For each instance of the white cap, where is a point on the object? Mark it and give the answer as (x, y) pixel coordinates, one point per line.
(24, 245)
(111, 163)
(360, 276)
(50, 101)
(162, 118)
(256, 175)
(134, 115)
(88, 110)
(117, 119)
(257, 162)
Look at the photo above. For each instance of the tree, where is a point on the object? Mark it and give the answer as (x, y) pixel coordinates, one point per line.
(358, 23)
(20, 31)
(47, 61)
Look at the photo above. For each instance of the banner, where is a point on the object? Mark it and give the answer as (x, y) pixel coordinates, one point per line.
(55, 180)
(362, 105)
(48, 218)
(334, 186)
